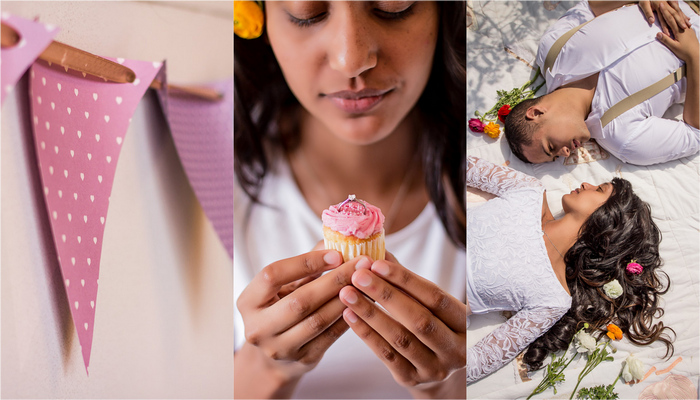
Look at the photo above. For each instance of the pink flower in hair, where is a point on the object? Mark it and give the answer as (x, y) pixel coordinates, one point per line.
(634, 268)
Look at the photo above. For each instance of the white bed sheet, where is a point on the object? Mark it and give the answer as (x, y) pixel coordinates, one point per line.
(502, 40)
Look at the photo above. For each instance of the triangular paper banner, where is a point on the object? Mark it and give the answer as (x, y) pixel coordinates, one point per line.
(79, 126)
(34, 37)
(203, 135)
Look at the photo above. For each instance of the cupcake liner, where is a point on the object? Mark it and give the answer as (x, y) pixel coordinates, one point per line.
(351, 247)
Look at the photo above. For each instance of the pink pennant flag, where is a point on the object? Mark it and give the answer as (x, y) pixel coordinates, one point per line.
(203, 135)
(34, 38)
(79, 125)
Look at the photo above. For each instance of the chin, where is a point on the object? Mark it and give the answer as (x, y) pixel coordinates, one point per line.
(361, 131)
(565, 202)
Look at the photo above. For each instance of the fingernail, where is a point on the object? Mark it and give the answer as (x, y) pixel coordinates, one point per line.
(350, 297)
(658, 35)
(380, 268)
(651, 20)
(363, 279)
(332, 258)
(364, 263)
(350, 316)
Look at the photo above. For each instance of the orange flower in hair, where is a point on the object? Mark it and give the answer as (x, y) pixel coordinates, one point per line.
(614, 332)
(248, 19)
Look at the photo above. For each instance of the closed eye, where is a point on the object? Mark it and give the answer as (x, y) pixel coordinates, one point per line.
(395, 15)
(306, 22)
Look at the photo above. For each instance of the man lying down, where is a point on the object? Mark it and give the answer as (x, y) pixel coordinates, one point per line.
(619, 49)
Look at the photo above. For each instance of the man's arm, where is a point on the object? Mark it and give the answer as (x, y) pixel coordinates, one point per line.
(691, 109)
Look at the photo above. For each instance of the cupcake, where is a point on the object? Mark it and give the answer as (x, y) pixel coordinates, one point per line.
(354, 227)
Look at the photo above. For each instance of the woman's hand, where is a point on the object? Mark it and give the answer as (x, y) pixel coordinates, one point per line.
(292, 315)
(422, 338)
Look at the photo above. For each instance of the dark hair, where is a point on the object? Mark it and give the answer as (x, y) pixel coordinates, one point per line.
(519, 130)
(264, 109)
(616, 233)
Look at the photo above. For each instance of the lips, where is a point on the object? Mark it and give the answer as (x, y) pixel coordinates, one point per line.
(357, 102)
(576, 144)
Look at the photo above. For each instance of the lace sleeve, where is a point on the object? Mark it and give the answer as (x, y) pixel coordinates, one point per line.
(503, 344)
(496, 179)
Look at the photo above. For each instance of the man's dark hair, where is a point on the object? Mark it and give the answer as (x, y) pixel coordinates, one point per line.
(519, 130)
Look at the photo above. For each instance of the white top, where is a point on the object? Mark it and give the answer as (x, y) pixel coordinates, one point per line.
(623, 47)
(262, 235)
(508, 267)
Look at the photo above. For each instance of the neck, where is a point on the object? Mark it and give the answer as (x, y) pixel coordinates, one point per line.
(328, 168)
(577, 96)
(563, 233)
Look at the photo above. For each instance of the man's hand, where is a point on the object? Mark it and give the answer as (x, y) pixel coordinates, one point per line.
(649, 7)
(684, 44)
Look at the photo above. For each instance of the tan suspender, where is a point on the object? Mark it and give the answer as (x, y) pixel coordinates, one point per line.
(627, 103)
(644, 94)
(557, 46)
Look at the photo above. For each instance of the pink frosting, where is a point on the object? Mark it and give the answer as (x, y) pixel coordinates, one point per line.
(352, 220)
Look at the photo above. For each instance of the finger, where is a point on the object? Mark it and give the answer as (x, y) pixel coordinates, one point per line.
(664, 27)
(647, 10)
(290, 287)
(680, 15)
(406, 312)
(443, 305)
(266, 284)
(312, 326)
(394, 333)
(682, 21)
(669, 16)
(302, 302)
(401, 369)
(312, 352)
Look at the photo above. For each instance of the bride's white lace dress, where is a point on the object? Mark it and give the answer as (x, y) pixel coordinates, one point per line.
(508, 267)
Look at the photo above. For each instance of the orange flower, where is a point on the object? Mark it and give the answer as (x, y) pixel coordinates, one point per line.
(248, 19)
(493, 130)
(614, 332)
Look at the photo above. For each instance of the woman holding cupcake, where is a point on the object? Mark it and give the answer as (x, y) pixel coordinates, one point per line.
(597, 264)
(349, 127)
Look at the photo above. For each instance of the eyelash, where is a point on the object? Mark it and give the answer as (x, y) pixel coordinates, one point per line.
(390, 16)
(303, 23)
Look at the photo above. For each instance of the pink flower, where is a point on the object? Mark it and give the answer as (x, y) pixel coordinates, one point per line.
(634, 268)
(476, 125)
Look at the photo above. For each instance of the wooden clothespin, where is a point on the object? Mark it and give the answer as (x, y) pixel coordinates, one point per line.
(80, 60)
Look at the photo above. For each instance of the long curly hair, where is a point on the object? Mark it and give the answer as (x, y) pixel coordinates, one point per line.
(616, 233)
(265, 118)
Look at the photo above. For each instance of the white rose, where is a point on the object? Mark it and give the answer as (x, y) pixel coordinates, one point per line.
(613, 289)
(585, 343)
(633, 369)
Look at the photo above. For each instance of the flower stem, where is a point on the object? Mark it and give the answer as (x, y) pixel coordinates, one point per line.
(593, 360)
(609, 392)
